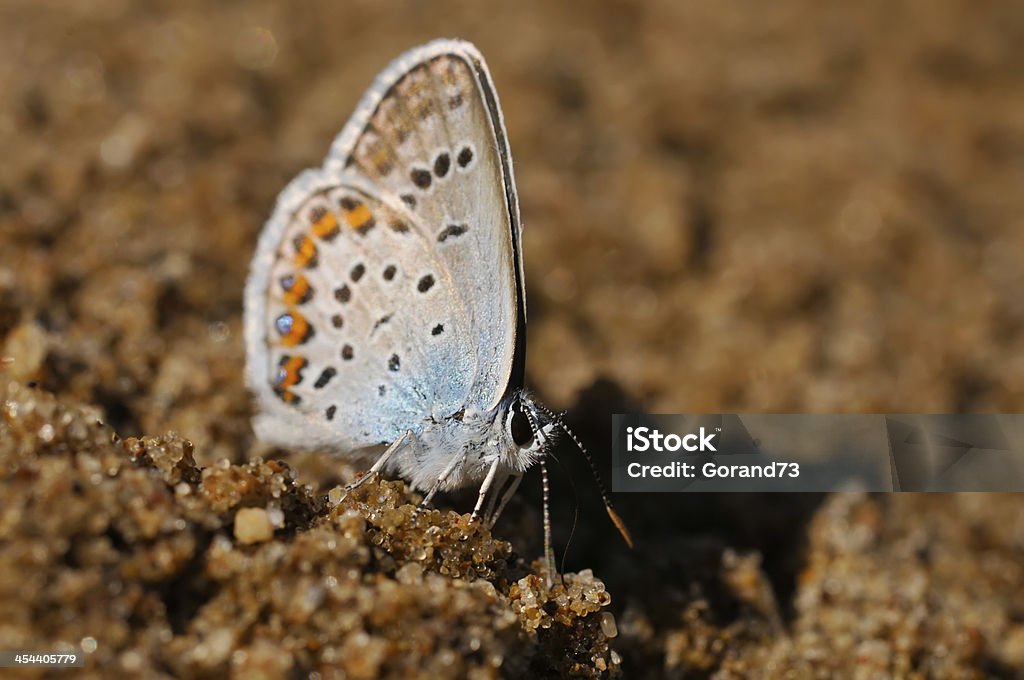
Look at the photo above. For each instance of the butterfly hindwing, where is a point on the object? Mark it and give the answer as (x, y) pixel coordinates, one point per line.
(362, 333)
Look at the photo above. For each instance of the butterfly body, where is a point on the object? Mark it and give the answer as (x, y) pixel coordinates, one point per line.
(480, 440)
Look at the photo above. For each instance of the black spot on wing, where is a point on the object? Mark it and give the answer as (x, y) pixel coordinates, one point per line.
(450, 231)
(380, 322)
(325, 377)
(442, 164)
(421, 178)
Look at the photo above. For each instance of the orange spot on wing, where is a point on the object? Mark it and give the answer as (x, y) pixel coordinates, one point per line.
(299, 333)
(299, 291)
(305, 252)
(326, 226)
(291, 371)
(359, 217)
(289, 374)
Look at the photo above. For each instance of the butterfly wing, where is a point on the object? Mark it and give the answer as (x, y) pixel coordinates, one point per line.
(387, 286)
(430, 134)
(354, 331)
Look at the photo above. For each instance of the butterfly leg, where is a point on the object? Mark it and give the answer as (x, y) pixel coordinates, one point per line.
(484, 488)
(499, 484)
(510, 491)
(378, 466)
(436, 486)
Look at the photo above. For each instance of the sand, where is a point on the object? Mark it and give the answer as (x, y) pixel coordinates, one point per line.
(797, 207)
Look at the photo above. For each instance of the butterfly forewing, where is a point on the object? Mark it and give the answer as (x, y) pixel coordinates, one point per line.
(430, 135)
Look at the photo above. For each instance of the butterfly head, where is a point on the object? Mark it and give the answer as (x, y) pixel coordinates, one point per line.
(534, 429)
(530, 427)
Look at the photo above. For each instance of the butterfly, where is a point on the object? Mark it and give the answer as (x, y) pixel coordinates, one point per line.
(386, 304)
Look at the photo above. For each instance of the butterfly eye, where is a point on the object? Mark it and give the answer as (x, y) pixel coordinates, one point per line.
(522, 433)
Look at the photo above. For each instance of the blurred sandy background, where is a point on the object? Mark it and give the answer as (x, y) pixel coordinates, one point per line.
(737, 206)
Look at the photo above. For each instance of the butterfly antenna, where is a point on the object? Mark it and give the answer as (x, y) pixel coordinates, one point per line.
(609, 508)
